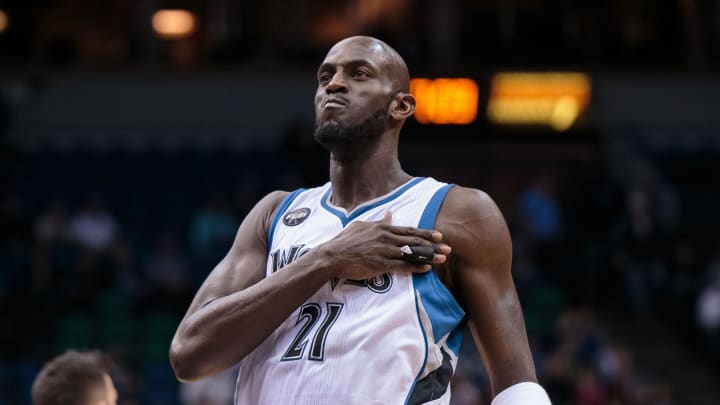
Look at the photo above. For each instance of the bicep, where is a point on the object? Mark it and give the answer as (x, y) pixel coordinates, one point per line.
(481, 244)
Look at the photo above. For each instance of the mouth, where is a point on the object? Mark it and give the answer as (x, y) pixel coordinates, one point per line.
(334, 103)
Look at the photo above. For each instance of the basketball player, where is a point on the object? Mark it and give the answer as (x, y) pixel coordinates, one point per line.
(323, 299)
(74, 378)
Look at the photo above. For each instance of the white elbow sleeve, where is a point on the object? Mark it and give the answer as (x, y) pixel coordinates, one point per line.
(524, 393)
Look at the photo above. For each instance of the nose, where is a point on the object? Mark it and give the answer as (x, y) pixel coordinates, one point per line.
(336, 85)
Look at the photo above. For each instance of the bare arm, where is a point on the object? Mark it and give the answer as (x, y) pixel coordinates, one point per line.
(213, 335)
(237, 307)
(481, 260)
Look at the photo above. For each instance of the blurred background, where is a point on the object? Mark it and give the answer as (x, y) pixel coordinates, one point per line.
(135, 136)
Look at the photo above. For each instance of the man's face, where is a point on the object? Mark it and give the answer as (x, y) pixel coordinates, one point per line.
(353, 94)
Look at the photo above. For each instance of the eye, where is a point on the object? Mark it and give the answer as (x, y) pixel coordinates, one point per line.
(361, 74)
(324, 77)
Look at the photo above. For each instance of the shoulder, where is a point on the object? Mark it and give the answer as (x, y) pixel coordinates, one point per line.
(468, 208)
(467, 200)
(267, 205)
(272, 200)
(474, 227)
(265, 211)
(258, 220)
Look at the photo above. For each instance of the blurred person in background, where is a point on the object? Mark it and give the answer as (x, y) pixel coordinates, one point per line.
(708, 301)
(637, 240)
(53, 239)
(389, 328)
(93, 227)
(75, 378)
(214, 390)
(541, 210)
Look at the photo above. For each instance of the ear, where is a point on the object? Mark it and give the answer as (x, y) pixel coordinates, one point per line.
(402, 106)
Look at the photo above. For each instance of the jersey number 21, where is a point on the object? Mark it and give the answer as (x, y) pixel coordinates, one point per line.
(311, 313)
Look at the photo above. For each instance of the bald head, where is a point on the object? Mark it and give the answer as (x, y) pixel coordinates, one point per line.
(383, 54)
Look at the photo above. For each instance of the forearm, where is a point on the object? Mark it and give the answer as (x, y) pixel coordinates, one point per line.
(507, 352)
(222, 332)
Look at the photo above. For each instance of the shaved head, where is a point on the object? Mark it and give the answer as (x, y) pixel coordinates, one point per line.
(395, 64)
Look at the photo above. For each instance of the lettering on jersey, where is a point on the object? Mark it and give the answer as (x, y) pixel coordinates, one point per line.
(296, 217)
(378, 284)
(282, 257)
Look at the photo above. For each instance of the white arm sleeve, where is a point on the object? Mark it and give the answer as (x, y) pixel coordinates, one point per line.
(524, 393)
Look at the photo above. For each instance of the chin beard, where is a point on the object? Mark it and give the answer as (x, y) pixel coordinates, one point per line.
(333, 133)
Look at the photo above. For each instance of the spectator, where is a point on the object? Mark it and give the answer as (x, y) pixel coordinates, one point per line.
(541, 210)
(637, 242)
(609, 362)
(589, 389)
(708, 306)
(75, 378)
(94, 227)
(217, 389)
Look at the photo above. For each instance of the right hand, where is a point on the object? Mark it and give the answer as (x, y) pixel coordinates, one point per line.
(368, 249)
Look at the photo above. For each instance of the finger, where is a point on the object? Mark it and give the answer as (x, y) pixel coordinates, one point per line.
(426, 254)
(423, 269)
(429, 234)
(405, 266)
(398, 240)
(410, 241)
(387, 218)
(442, 248)
(418, 254)
(422, 254)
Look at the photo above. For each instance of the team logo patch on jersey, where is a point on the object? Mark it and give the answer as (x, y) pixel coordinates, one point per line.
(296, 217)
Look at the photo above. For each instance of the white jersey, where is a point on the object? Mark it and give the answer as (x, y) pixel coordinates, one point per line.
(393, 339)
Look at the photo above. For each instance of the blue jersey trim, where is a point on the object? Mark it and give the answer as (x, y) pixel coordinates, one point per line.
(422, 367)
(440, 306)
(345, 219)
(442, 309)
(281, 210)
(454, 341)
(427, 220)
(444, 312)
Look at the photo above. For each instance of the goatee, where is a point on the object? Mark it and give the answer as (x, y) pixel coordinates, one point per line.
(333, 133)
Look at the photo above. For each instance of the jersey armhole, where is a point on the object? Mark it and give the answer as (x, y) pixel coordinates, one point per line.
(279, 213)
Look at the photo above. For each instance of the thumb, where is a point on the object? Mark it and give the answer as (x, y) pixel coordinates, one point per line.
(387, 218)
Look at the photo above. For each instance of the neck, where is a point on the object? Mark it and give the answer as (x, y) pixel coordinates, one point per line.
(360, 174)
